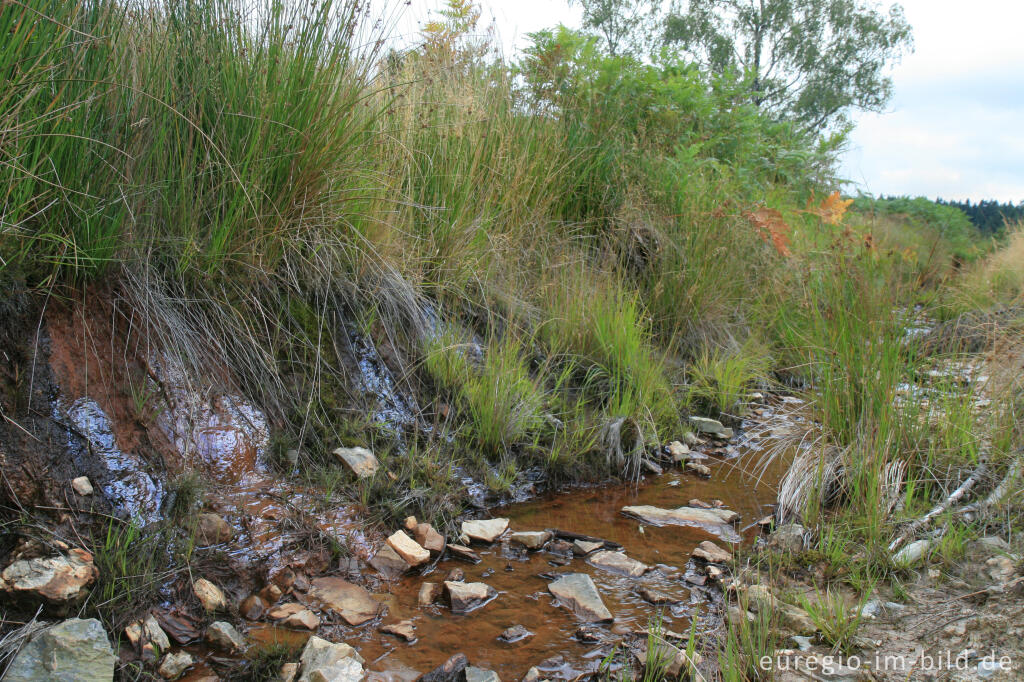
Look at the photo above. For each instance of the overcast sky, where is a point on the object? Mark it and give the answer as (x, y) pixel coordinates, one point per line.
(955, 127)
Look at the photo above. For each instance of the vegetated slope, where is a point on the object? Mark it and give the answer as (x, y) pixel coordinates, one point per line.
(529, 251)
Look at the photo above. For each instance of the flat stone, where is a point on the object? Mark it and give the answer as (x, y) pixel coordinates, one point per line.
(174, 665)
(452, 670)
(407, 548)
(466, 597)
(712, 553)
(577, 592)
(516, 633)
(429, 593)
(651, 467)
(69, 651)
(361, 461)
(353, 603)
(618, 562)
(464, 553)
(321, 655)
(284, 610)
(211, 529)
(484, 530)
(225, 637)
(474, 674)
(57, 580)
(82, 486)
(583, 547)
(209, 595)
(711, 426)
(656, 597)
(429, 539)
(304, 620)
(715, 521)
(532, 540)
(389, 564)
(403, 629)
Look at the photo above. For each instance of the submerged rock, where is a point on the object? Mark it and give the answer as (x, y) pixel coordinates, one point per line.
(73, 650)
(657, 598)
(484, 530)
(585, 547)
(403, 629)
(515, 633)
(474, 674)
(429, 593)
(716, 521)
(59, 580)
(353, 603)
(618, 562)
(452, 670)
(577, 592)
(466, 597)
(464, 553)
(361, 461)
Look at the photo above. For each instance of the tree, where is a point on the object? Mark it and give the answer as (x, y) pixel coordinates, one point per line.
(810, 61)
(623, 26)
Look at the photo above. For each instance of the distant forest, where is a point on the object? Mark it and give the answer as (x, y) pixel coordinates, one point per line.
(988, 216)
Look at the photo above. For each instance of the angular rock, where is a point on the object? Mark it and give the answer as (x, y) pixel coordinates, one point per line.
(225, 637)
(788, 538)
(532, 675)
(303, 620)
(583, 547)
(148, 638)
(345, 671)
(657, 598)
(209, 595)
(456, 575)
(464, 553)
(410, 524)
(58, 580)
(284, 579)
(408, 549)
(466, 597)
(678, 451)
(618, 562)
(211, 529)
(790, 617)
(271, 593)
(429, 593)
(474, 674)
(651, 467)
(712, 553)
(711, 426)
(699, 469)
(451, 670)
(361, 461)
(353, 603)
(516, 633)
(284, 610)
(289, 671)
(484, 530)
(325, 657)
(532, 540)
(690, 438)
(179, 626)
(403, 629)
(716, 521)
(577, 592)
(429, 539)
(73, 650)
(174, 665)
(82, 486)
(389, 564)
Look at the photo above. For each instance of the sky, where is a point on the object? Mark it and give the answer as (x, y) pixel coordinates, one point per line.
(955, 126)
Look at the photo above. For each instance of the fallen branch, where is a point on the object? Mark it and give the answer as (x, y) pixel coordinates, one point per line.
(999, 492)
(958, 494)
